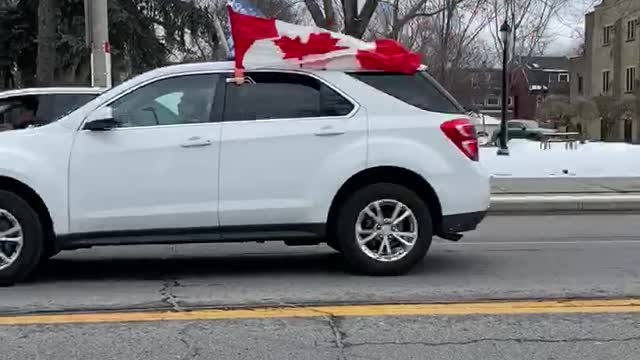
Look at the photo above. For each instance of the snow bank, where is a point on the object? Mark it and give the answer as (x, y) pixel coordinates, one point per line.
(598, 159)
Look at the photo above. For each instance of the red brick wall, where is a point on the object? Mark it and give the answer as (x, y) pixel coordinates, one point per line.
(525, 104)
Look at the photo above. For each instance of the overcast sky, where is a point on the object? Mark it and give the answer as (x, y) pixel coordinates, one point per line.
(568, 28)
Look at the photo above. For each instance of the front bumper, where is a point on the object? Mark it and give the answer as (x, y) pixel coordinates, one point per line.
(457, 223)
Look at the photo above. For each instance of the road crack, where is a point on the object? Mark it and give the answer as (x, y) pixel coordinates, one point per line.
(167, 295)
(338, 334)
(476, 341)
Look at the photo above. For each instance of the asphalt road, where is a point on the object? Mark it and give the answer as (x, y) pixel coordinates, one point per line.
(597, 337)
(507, 258)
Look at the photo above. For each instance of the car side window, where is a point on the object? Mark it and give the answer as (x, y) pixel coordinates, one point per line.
(178, 100)
(271, 95)
(514, 125)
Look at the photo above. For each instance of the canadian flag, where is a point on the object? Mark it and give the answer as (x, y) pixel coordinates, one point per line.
(263, 42)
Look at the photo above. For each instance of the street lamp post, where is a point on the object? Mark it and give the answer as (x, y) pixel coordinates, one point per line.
(505, 33)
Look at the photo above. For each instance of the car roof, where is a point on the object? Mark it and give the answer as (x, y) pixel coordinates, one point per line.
(225, 66)
(51, 91)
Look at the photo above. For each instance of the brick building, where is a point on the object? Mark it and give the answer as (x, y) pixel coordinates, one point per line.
(535, 78)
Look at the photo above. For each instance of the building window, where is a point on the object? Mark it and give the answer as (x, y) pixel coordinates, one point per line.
(607, 34)
(631, 29)
(474, 82)
(493, 101)
(563, 78)
(580, 85)
(510, 102)
(606, 77)
(479, 102)
(630, 79)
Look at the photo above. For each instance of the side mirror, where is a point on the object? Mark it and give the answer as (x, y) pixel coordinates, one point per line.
(101, 120)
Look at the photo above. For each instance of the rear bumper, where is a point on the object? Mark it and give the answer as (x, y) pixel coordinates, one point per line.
(457, 223)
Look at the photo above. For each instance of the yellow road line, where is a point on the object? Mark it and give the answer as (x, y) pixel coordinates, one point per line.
(477, 308)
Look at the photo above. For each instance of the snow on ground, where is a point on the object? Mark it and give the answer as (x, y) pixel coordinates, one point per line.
(597, 159)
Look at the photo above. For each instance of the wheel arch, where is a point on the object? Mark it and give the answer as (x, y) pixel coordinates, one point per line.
(34, 200)
(387, 174)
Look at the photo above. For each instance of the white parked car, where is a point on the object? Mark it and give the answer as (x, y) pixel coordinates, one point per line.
(37, 106)
(374, 164)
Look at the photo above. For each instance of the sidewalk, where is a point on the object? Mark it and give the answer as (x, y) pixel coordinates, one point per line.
(563, 185)
(564, 195)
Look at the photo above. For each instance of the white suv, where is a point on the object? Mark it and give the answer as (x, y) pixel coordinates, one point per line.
(374, 164)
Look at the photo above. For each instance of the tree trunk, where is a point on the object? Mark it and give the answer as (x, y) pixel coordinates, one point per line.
(355, 24)
(330, 16)
(47, 28)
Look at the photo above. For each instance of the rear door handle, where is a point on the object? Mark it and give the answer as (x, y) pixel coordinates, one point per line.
(329, 131)
(195, 142)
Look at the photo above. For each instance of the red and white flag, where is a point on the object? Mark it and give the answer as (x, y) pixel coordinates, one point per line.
(263, 43)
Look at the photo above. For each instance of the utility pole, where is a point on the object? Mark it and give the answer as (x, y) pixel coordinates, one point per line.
(97, 39)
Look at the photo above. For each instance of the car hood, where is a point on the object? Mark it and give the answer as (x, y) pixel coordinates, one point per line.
(11, 137)
(20, 138)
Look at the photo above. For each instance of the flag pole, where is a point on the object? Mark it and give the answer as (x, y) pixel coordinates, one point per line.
(238, 76)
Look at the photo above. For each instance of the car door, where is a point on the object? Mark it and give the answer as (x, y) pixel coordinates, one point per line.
(515, 130)
(281, 136)
(158, 169)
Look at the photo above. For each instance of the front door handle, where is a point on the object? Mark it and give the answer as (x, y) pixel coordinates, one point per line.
(329, 131)
(195, 142)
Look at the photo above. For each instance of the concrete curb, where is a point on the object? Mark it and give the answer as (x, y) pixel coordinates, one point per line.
(567, 203)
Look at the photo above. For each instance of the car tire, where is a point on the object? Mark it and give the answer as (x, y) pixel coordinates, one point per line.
(14, 209)
(335, 245)
(47, 254)
(369, 261)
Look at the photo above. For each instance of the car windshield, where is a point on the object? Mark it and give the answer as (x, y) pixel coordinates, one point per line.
(21, 111)
(9, 111)
(4, 106)
(67, 104)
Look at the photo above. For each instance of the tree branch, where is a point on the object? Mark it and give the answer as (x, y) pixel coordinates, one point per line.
(316, 13)
(414, 12)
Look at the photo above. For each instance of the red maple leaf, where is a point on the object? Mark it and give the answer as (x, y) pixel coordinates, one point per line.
(321, 43)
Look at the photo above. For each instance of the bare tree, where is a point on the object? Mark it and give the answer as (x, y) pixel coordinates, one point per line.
(458, 35)
(356, 22)
(449, 40)
(47, 28)
(529, 21)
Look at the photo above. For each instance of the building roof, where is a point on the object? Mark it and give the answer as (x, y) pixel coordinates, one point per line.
(546, 63)
(540, 70)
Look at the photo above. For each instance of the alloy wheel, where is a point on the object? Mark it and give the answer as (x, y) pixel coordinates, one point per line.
(11, 239)
(386, 230)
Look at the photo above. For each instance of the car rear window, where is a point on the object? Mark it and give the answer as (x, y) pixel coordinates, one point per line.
(417, 90)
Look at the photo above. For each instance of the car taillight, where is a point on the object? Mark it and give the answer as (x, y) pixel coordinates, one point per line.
(463, 134)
